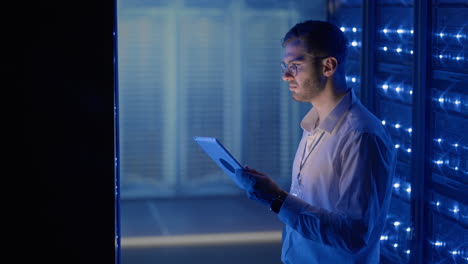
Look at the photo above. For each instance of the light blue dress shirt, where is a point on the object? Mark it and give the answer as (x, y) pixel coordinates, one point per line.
(337, 206)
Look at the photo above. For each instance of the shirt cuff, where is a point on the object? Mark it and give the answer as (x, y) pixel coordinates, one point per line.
(290, 210)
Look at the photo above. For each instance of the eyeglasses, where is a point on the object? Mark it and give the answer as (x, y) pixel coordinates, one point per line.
(293, 67)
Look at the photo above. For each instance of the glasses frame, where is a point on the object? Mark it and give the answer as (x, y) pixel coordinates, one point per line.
(292, 67)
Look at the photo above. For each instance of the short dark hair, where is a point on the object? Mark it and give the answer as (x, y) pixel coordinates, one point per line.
(320, 37)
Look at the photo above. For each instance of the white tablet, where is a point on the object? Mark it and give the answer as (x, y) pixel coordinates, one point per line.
(219, 154)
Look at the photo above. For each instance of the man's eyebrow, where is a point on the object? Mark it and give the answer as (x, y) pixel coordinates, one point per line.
(300, 58)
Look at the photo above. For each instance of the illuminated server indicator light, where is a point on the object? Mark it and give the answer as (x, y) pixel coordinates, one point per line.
(454, 101)
(408, 229)
(397, 146)
(439, 140)
(383, 122)
(354, 43)
(408, 251)
(408, 190)
(397, 125)
(352, 79)
(456, 58)
(399, 31)
(395, 245)
(437, 203)
(383, 237)
(396, 223)
(457, 36)
(408, 150)
(385, 86)
(354, 29)
(454, 252)
(455, 210)
(411, 92)
(438, 243)
(439, 162)
(398, 89)
(409, 130)
(400, 50)
(396, 185)
(343, 29)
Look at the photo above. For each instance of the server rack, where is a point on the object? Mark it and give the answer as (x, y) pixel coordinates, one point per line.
(413, 62)
(446, 239)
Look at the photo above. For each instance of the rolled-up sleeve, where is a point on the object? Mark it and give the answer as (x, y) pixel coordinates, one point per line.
(364, 167)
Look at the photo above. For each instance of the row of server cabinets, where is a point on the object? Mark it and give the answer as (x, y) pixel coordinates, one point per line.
(408, 63)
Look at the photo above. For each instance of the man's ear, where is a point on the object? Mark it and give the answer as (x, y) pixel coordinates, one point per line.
(330, 64)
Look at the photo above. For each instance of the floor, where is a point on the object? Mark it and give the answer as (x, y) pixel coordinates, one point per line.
(200, 230)
(215, 229)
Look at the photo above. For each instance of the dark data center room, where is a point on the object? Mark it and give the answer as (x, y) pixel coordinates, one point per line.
(258, 131)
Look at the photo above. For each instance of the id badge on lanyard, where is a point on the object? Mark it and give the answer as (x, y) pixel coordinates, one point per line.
(297, 186)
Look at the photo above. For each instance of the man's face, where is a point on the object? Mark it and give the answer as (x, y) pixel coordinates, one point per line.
(306, 84)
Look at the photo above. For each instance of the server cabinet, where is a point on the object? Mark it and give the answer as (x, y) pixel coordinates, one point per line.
(413, 76)
(446, 235)
(393, 85)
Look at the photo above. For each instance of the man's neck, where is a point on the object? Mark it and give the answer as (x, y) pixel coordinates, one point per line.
(326, 101)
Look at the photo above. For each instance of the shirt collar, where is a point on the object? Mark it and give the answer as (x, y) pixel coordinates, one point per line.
(333, 118)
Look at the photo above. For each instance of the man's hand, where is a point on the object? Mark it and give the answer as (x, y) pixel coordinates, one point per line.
(259, 186)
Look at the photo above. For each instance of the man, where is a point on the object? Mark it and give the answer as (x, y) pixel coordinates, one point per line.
(342, 173)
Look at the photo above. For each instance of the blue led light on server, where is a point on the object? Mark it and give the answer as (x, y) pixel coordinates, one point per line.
(401, 185)
(352, 79)
(354, 42)
(399, 88)
(397, 31)
(450, 208)
(450, 57)
(458, 36)
(397, 235)
(397, 50)
(400, 91)
(350, 29)
(448, 39)
(448, 100)
(397, 125)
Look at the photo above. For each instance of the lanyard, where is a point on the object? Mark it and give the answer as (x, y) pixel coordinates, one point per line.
(303, 161)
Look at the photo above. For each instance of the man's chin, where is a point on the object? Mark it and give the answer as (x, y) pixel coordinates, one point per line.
(297, 98)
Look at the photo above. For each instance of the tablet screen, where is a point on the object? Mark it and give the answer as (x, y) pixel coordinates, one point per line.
(221, 156)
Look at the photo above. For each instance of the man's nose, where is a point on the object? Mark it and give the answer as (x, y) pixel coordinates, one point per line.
(287, 76)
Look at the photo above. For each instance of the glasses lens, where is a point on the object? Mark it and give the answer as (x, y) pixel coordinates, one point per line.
(289, 68)
(293, 69)
(283, 66)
